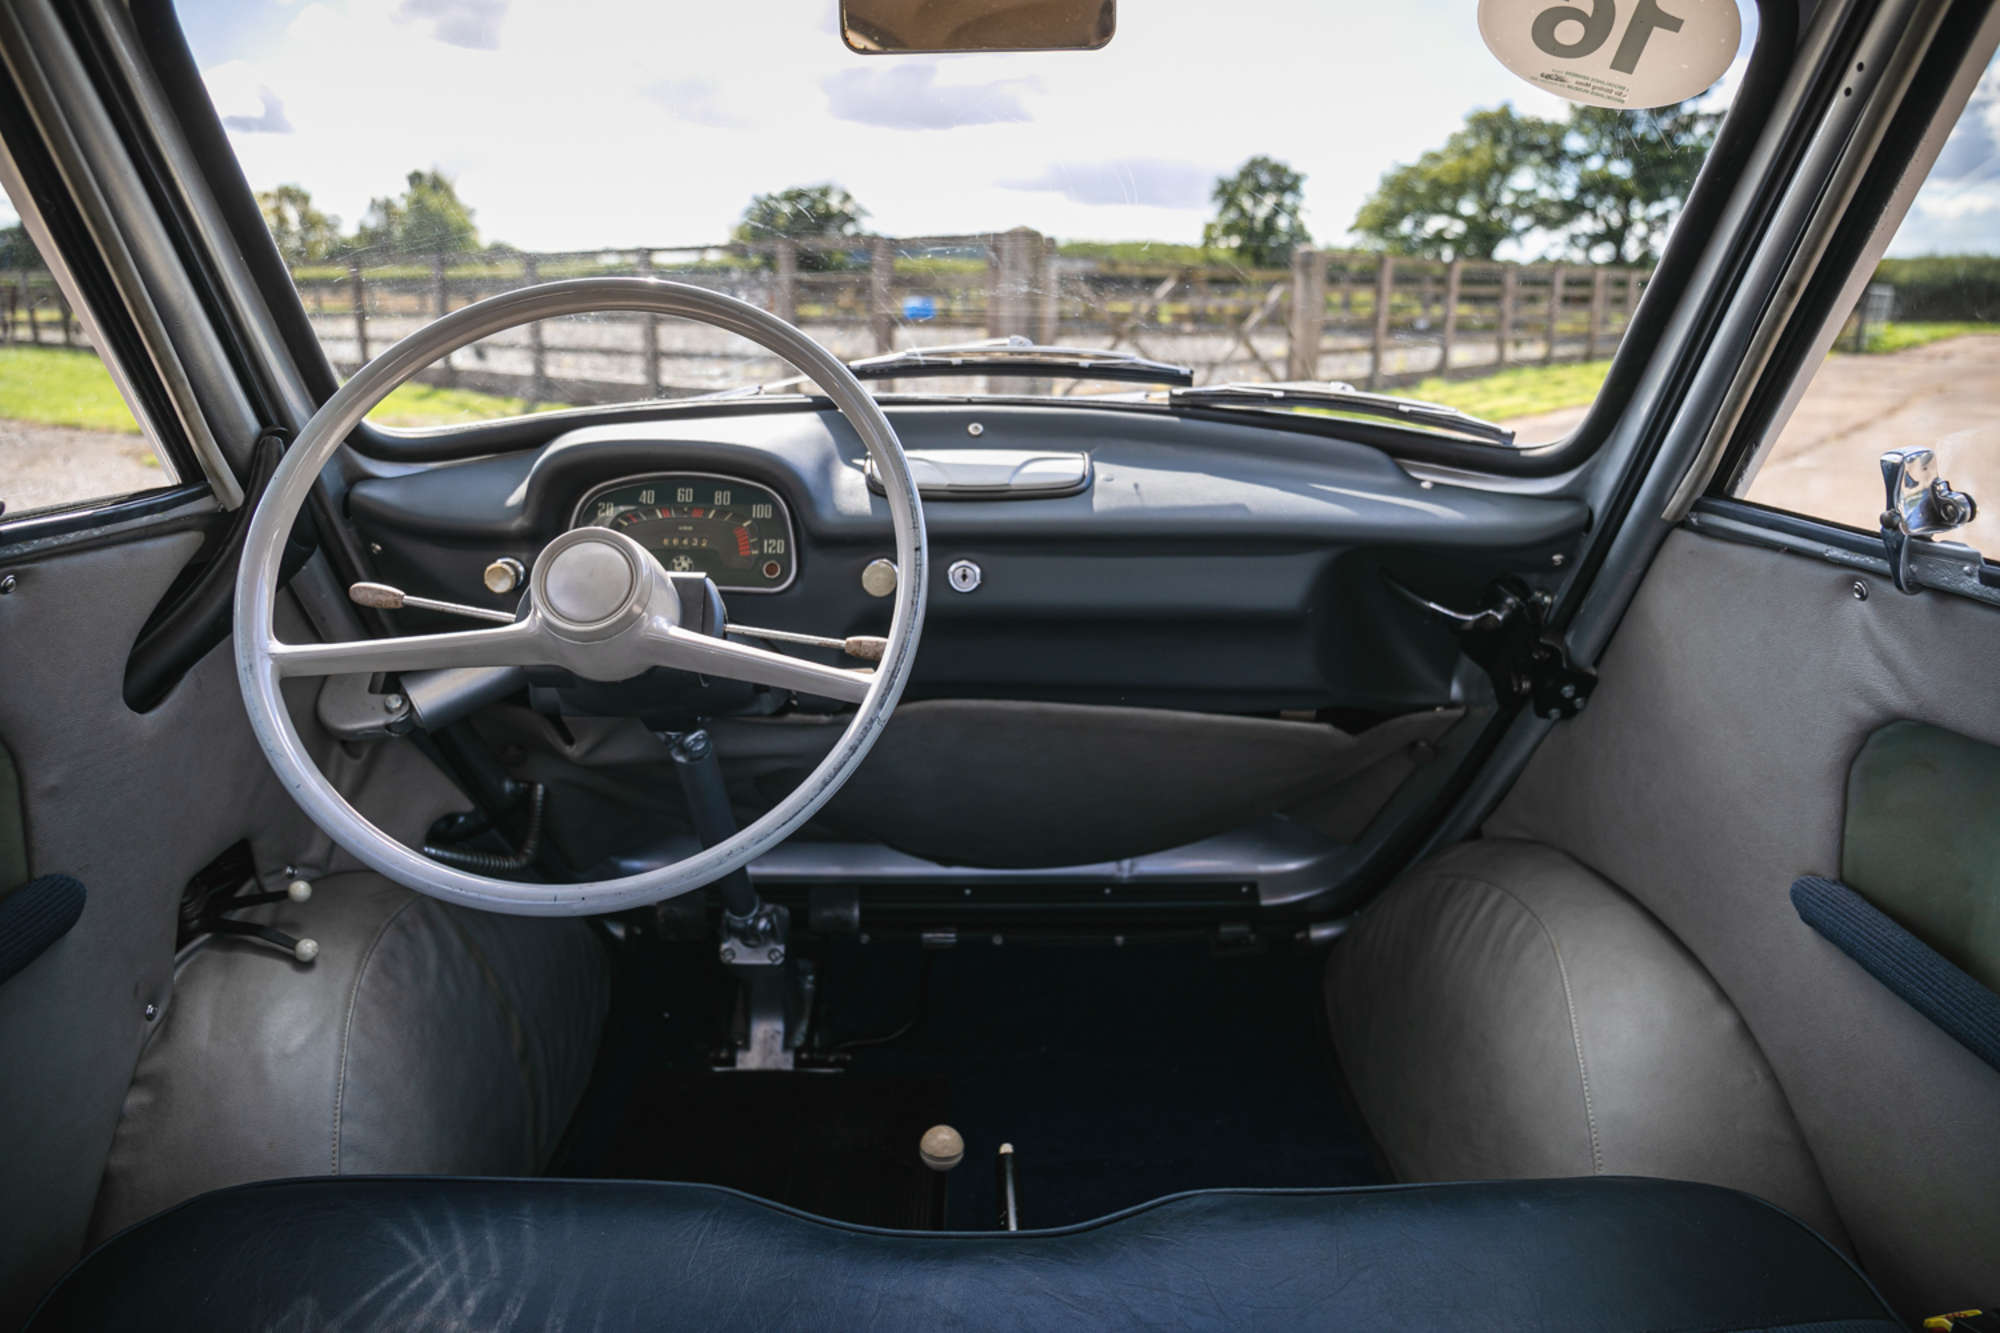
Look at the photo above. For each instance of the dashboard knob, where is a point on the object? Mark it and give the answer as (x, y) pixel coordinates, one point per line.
(503, 575)
(878, 577)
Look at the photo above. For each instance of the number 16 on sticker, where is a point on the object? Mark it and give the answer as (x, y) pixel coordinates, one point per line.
(1615, 53)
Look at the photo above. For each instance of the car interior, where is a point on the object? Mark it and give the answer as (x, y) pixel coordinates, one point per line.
(921, 845)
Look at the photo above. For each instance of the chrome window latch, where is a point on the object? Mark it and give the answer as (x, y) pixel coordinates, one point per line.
(1917, 503)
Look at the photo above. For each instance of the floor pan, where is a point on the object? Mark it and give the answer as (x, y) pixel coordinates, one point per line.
(1118, 1074)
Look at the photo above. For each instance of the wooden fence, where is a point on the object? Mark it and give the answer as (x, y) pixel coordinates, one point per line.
(1373, 319)
(34, 310)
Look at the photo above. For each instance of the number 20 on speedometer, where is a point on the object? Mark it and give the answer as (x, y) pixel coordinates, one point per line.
(736, 532)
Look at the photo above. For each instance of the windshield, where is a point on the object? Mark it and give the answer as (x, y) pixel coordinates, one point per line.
(1287, 190)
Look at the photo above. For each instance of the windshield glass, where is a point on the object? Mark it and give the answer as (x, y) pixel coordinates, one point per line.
(1285, 190)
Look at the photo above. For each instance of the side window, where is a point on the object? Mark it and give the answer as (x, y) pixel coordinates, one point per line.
(66, 434)
(1918, 361)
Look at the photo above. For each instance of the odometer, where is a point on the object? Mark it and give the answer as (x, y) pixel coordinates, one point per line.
(735, 531)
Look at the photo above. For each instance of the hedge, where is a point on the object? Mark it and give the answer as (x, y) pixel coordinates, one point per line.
(1944, 287)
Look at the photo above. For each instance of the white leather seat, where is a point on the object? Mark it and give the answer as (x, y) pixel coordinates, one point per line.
(422, 1039)
(1502, 1011)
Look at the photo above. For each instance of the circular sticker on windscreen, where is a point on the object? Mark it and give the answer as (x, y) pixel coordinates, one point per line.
(1617, 53)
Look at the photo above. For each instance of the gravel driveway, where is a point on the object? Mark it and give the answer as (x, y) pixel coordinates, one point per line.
(1943, 395)
(51, 465)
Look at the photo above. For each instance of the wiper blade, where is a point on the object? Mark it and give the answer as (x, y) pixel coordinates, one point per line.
(1010, 356)
(1345, 398)
(1020, 356)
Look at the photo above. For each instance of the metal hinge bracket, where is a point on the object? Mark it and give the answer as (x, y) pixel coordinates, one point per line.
(1508, 637)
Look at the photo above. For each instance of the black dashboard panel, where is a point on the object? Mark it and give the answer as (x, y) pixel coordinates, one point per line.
(1208, 565)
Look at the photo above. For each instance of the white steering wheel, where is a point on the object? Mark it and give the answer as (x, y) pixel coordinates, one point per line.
(596, 603)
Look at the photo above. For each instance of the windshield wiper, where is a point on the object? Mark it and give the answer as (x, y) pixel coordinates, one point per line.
(1345, 398)
(998, 356)
(1020, 356)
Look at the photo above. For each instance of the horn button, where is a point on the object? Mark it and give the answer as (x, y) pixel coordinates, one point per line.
(590, 584)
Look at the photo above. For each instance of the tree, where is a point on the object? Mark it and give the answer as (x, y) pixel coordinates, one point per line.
(1257, 210)
(1625, 175)
(804, 212)
(1488, 185)
(303, 233)
(1602, 186)
(16, 250)
(428, 218)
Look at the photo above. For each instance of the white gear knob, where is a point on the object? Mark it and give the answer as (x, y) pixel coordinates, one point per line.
(942, 1148)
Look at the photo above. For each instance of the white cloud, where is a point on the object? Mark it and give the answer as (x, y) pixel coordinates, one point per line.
(469, 23)
(1957, 211)
(1151, 182)
(270, 118)
(906, 95)
(699, 102)
(1959, 204)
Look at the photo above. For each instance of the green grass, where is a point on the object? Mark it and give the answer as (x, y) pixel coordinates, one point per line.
(57, 386)
(432, 405)
(1521, 392)
(1900, 337)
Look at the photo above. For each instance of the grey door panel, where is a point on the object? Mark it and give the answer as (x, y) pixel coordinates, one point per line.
(129, 806)
(132, 805)
(1709, 772)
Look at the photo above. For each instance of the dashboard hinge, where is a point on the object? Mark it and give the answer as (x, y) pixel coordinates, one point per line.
(1508, 637)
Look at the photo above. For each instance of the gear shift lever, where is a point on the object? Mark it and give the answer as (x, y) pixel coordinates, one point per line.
(755, 934)
(708, 805)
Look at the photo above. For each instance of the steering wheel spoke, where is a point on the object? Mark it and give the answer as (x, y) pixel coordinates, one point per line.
(685, 650)
(519, 644)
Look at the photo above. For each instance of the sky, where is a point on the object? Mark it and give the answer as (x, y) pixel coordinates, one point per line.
(625, 122)
(571, 124)
(1958, 209)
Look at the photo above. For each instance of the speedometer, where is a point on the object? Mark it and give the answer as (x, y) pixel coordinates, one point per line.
(736, 532)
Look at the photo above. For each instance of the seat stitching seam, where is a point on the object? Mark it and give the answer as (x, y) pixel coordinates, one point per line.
(1569, 1005)
(347, 1023)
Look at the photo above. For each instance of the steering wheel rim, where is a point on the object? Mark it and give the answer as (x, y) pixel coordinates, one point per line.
(260, 655)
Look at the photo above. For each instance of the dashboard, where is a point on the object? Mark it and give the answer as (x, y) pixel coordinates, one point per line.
(1213, 564)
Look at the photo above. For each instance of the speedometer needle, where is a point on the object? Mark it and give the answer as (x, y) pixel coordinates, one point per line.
(867, 647)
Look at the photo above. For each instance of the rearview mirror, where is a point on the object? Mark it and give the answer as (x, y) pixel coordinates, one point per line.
(879, 27)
